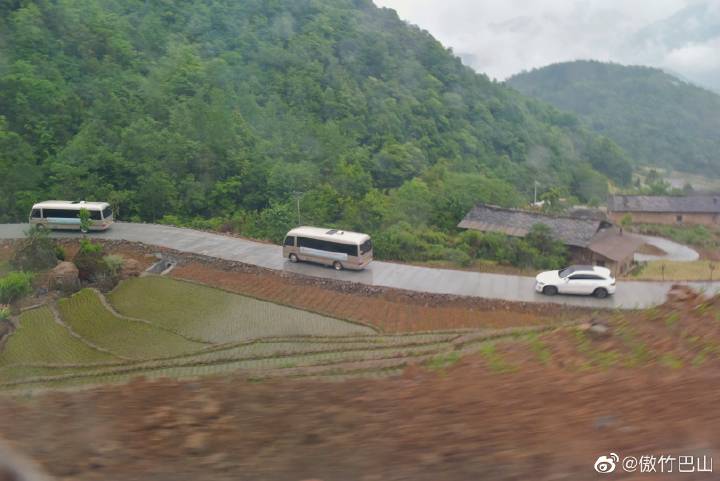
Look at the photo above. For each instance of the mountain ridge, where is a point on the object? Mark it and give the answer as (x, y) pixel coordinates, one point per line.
(659, 119)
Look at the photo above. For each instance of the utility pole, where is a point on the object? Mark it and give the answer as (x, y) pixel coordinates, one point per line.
(535, 184)
(298, 195)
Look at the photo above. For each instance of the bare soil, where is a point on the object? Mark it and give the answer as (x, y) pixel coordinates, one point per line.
(538, 421)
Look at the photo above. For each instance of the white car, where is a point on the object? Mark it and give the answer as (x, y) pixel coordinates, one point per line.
(589, 280)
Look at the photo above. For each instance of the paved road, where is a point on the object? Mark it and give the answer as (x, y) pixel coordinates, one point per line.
(441, 281)
(673, 250)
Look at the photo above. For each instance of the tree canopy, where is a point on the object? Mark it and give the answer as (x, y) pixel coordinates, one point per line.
(221, 113)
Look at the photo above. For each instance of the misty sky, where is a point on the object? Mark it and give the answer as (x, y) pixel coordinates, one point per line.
(503, 37)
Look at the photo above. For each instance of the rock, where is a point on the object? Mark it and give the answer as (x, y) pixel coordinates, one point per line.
(196, 442)
(603, 422)
(65, 277)
(599, 330)
(130, 268)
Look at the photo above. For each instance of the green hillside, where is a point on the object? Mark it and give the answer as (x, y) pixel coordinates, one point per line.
(215, 113)
(658, 119)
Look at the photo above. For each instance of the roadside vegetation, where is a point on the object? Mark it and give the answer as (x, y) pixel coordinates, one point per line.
(702, 270)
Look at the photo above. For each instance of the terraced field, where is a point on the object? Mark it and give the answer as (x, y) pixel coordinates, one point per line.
(164, 332)
(41, 340)
(214, 315)
(86, 315)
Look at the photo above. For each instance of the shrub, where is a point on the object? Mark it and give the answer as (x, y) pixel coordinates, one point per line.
(113, 263)
(85, 220)
(457, 256)
(88, 247)
(89, 261)
(400, 243)
(14, 286)
(35, 252)
(4, 313)
(60, 253)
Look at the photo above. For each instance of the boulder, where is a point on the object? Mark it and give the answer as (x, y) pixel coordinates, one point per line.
(130, 268)
(64, 277)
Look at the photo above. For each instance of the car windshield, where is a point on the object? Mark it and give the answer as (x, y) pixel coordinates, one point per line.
(565, 272)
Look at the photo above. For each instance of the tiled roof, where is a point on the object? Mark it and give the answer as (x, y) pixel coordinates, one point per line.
(615, 244)
(665, 203)
(514, 222)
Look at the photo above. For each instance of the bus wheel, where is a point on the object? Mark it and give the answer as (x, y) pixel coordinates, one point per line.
(84, 231)
(337, 266)
(293, 258)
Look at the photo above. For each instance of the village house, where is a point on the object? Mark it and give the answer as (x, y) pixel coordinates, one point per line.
(665, 209)
(589, 240)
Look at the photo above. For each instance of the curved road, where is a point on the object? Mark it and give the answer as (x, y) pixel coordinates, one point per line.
(673, 250)
(629, 294)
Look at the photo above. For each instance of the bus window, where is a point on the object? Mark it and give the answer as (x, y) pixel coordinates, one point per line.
(94, 215)
(107, 213)
(36, 214)
(60, 213)
(290, 240)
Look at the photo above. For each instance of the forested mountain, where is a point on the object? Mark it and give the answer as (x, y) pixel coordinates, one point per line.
(658, 119)
(226, 110)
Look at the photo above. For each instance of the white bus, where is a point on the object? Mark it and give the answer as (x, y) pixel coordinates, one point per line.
(333, 247)
(64, 214)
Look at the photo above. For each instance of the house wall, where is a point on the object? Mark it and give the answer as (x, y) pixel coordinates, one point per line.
(670, 218)
(579, 255)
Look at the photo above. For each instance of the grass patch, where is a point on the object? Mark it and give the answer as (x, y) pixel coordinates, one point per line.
(639, 353)
(495, 360)
(678, 271)
(668, 360)
(217, 316)
(672, 319)
(443, 361)
(88, 317)
(595, 357)
(539, 348)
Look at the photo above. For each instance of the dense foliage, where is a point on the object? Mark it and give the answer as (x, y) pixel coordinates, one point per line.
(657, 118)
(227, 114)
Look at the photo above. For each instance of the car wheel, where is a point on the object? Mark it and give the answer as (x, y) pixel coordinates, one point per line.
(550, 290)
(293, 258)
(600, 293)
(337, 266)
